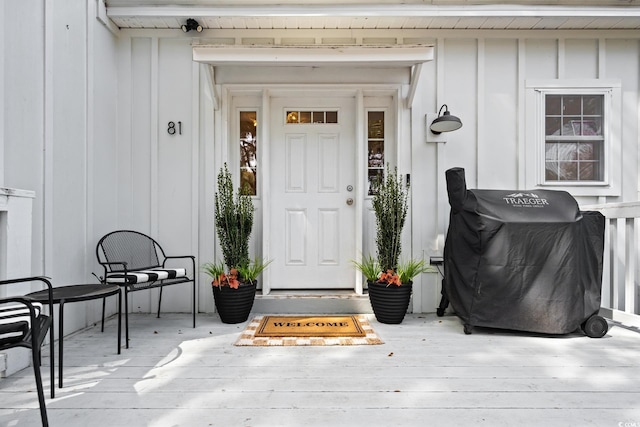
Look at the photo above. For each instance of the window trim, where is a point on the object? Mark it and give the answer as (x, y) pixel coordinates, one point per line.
(535, 139)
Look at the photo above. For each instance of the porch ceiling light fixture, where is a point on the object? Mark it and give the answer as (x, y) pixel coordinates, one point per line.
(191, 24)
(445, 122)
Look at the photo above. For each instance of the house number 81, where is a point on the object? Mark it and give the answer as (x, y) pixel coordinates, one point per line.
(171, 128)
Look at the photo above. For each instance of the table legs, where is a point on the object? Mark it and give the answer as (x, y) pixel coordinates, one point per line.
(60, 339)
(61, 336)
(119, 321)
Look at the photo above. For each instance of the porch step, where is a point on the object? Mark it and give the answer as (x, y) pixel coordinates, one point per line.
(312, 302)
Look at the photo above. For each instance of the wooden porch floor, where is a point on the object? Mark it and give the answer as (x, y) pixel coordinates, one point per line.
(428, 373)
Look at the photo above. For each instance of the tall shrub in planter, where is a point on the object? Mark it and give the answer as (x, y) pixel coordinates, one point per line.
(389, 279)
(390, 205)
(234, 280)
(234, 220)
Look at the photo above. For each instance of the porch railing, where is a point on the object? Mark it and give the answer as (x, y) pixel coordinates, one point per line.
(621, 269)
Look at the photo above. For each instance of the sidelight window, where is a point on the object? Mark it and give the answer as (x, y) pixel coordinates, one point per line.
(248, 124)
(375, 148)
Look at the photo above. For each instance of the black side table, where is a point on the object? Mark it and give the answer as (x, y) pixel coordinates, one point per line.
(77, 293)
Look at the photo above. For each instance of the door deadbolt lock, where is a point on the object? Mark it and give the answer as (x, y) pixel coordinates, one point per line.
(349, 187)
(349, 201)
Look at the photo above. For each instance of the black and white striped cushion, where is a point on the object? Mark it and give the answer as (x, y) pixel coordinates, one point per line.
(143, 276)
(15, 320)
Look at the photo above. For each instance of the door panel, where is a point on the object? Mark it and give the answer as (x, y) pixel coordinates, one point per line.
(296, 237)
(329, 157)
(312, 227)
(296, 159)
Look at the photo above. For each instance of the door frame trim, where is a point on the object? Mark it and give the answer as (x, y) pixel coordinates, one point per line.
(359, 92)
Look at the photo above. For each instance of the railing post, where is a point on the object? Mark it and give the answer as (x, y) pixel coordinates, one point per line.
(631, 255)
(621, 269)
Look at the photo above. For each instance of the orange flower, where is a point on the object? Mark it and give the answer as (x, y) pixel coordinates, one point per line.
(233, 279)
(219, 281)
(390, 278)
(230, 280)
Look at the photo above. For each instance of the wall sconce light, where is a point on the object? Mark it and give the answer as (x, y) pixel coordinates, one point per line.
(191, 24)
(435, 125)
(445, 122)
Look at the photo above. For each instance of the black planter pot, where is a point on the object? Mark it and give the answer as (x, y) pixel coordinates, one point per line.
(234, 305)
(389, 303)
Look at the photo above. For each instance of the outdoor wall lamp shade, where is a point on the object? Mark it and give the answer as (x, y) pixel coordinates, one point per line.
(445, 122)
(191, 24)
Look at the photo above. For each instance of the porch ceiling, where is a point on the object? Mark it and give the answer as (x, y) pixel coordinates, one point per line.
(377, 14)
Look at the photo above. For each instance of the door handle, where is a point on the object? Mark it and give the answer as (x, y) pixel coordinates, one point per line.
(349, 201)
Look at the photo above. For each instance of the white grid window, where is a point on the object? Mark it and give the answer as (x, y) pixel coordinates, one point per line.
(574, 138)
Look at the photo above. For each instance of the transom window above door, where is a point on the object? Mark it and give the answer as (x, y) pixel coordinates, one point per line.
(311, 117)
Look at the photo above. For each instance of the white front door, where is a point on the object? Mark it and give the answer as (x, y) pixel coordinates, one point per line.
(312, 202)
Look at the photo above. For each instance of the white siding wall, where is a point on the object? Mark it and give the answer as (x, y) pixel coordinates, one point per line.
(497, 94)
(621, 62)
(157, 172)
(59, 104)
(66, 167)
(23, 107)
(176, 205)
(101, 141)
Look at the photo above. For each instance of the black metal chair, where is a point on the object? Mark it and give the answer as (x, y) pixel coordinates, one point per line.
(24, 324)
(136, 262)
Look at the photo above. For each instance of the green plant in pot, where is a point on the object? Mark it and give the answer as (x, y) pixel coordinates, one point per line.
(389, 279)
(234, 279)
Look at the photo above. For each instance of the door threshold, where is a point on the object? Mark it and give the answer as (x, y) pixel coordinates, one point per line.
(314, 301)
(310, 293)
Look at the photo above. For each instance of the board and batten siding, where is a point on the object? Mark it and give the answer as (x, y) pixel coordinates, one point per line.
(482, 80)
(158, 162)
(166, 182)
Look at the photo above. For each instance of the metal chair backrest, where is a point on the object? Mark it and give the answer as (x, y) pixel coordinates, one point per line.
(138, 250)
(31, 326)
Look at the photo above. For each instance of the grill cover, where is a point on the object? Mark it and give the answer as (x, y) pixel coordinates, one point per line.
(521, 260)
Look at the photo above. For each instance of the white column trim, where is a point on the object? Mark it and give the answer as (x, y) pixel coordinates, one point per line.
(265, 166)
(47, 167)
(360, 132)
(154, 134)
(195, 167)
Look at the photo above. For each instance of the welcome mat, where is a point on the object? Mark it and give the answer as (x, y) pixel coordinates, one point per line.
(309, 326)
(308, 330)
